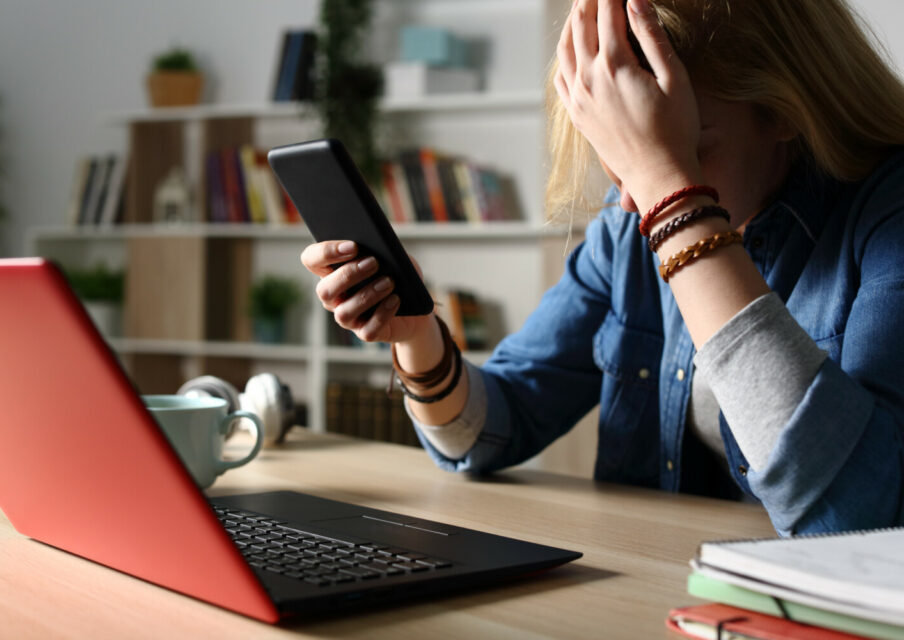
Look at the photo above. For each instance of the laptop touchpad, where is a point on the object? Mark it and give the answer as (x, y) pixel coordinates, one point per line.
(364, 526)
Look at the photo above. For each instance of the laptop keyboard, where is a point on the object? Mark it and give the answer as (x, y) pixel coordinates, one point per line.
(271, 545)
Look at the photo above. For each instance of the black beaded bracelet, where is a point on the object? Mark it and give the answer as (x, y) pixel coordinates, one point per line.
(672, 226)
(456, 375)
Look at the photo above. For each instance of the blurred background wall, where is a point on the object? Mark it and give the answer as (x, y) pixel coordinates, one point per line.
(64, 63)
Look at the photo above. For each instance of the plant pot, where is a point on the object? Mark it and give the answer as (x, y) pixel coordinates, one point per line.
(107, 317)
(174, 88)
(269, 330)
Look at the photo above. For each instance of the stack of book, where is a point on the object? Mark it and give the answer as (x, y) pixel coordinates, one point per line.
(464, 314)
(364, 411)
(96, 197)
(242, 188)
(834, 586)
(421, 185)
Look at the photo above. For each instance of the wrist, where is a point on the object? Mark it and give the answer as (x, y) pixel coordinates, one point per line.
(423, 350)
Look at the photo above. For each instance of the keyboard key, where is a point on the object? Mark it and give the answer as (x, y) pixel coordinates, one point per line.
(411, 566)
(435, 563)
(360, 572)
(320, 582)
(411, 556)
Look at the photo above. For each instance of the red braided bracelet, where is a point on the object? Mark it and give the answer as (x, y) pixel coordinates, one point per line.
(646, 222)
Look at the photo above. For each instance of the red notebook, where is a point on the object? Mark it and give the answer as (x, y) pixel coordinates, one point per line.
(723, 622)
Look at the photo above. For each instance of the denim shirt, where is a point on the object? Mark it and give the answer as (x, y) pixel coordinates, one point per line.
(610, 332)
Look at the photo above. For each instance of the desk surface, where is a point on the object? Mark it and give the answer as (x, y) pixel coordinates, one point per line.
(636, 546)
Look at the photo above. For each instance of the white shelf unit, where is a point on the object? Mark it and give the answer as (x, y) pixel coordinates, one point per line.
(507, 264)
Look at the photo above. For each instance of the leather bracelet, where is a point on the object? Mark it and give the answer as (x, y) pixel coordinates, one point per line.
(438, 373)
(673, 225)
(456, 376)
(646, 222)
(693, 252)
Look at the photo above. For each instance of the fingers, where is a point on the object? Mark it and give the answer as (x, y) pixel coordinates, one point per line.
(565, 50)
(611, 30)
(349, 313)
(377, 328)
(333, 287)
(652, 38)
(320, 258)
(586, 43)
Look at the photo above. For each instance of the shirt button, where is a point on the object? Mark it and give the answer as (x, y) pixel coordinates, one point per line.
(680, 375)
(643, 374)
(742, 469)
(669, 465)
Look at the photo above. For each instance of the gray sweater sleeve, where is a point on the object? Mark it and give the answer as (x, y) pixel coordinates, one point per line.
(454, 439)
(759, 366)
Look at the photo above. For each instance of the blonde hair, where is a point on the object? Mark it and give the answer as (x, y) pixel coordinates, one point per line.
(812, 64)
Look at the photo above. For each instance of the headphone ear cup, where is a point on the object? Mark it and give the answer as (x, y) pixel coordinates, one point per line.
(265, 396)
(211, 387)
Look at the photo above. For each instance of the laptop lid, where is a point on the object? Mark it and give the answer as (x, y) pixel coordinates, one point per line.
(83, 465)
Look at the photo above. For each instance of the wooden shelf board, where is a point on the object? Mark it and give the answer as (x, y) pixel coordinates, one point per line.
(475, 101)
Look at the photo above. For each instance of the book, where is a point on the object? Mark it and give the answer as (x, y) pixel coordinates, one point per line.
(863, 570)
(709, 588)
(433, 185)
(110, 210)
(92, 183)
(252, 182)
(80, 183)
(417, 185)
(99, 195)
(295, 66)
(724, 622)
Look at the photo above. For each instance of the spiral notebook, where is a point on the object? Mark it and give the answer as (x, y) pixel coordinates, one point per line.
(858, 573)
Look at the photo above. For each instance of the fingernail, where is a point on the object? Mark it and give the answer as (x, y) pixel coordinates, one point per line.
(382, 284)
(346, 248)
(391, 302)
(367, 263)
(640, 7)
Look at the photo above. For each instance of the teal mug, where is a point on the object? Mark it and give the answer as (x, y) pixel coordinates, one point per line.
(197, 429)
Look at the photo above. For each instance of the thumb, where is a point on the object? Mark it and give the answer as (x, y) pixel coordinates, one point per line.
(653, 40)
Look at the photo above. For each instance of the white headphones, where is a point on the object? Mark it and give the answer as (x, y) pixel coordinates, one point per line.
(264, 395)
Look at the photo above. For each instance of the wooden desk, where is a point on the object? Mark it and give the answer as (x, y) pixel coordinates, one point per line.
(636, 546)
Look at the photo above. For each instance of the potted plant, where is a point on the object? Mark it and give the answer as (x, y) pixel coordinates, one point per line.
(349, 88)
(101, 291)
(271, 297)
(175, 79)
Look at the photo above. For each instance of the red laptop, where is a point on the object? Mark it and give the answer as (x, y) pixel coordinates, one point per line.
(85, 468)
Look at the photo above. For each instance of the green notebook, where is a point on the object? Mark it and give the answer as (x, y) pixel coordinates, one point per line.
(712, 589)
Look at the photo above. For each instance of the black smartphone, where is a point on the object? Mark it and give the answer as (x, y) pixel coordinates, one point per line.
(336, 204)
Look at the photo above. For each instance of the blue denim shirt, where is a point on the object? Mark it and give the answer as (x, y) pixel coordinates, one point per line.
(610, 332)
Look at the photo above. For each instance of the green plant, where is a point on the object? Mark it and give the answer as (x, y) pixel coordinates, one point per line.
(271, 296)
(97, 284)
(348, 89)
(176, 59)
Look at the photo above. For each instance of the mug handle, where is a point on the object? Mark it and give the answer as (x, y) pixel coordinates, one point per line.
(223, 465)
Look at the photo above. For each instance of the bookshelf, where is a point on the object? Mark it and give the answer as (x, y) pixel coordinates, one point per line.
(184, 280)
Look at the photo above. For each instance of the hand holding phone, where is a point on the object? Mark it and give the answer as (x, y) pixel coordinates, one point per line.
(336, 204)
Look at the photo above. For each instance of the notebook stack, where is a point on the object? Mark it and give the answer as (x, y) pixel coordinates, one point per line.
(827, 587)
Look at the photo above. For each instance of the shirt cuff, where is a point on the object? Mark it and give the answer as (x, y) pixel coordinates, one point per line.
(759, 366)
(454, 439)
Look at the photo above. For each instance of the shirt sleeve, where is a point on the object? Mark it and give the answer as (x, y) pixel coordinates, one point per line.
(454, 439)
(838, 461)
(539, 380)
(759, 367)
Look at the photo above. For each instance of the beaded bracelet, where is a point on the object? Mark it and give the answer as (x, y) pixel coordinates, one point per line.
(693, 252)
(646, 222)
(672, 226)
(451, 354)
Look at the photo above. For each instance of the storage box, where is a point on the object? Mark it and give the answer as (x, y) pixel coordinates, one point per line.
(434, 46)
(410, 79)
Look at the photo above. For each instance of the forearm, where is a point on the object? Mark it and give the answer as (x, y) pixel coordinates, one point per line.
(714, 288)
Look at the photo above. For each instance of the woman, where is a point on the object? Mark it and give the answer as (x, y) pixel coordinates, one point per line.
(754, 350)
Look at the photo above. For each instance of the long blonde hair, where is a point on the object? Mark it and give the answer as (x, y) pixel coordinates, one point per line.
(812, 64)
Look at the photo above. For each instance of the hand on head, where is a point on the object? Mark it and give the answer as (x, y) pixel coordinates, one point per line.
(645, 127)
